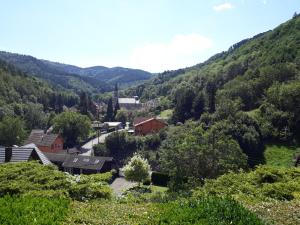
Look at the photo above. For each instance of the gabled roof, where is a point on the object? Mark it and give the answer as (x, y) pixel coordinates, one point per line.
(48, 139)
(23, 154)
(138, 120)
(86, 162)
(35, 136)
(146, 121)
(128, 101)
(39, 138)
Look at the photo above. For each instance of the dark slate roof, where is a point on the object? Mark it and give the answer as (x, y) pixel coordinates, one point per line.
(24, 153)
(56, 157)
(86, 162)
(39, 138)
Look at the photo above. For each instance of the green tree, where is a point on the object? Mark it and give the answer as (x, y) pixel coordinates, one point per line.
(12, 131)
(190, 153)
(34, 116)
(137, 169)
(120, 146)
(198, 106)
(184, 104)
(121, 116)
(73, 127)
(110, 111)
(211, 90)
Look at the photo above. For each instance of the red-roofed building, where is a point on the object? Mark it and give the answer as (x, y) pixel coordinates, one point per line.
(45, 142)
(148, 126)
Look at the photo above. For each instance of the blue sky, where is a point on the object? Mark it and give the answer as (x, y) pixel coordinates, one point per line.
(153, 35)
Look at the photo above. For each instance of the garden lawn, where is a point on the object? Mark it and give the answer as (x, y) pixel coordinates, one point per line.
(280, 155)
(107, 212)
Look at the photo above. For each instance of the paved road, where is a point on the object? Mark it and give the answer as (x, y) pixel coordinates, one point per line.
(119, 185)
(89, 145)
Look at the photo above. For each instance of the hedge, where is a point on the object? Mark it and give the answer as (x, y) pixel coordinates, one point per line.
(160, 179)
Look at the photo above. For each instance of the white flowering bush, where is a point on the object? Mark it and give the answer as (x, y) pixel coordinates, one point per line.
(137, 169)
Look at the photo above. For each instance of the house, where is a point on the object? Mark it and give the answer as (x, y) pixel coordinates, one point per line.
(148, 126)
(57, 159)
(79, 164)
(45, 142)
(129, 103)
(114, 125)
(23, 154)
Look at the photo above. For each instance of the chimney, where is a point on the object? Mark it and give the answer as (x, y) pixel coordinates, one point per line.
(8, 154)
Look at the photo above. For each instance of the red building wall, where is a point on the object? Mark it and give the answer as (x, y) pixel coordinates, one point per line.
(55, 147)
(148, 127)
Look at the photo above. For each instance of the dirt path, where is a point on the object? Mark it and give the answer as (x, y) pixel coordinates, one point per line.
(119, 185)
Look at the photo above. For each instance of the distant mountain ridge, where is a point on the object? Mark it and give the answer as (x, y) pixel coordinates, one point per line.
(91, 79)
(109, 75)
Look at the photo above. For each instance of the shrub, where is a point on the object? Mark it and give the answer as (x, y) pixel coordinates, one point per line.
(147, 181)
(264, 183)
(159, 179)
(90, 186)
(19, 178)
(34, 179)
(137, 169)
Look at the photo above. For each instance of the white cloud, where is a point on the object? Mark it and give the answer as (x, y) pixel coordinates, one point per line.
(223, 7)
(179, 52)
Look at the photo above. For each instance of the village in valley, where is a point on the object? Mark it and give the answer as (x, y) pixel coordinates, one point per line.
(150, 112)
(49, 147)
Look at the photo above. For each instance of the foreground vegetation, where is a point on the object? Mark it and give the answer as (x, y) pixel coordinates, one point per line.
(36, 194)
(32, 210)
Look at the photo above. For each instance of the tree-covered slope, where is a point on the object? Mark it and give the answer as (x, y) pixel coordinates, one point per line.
(55, 75)
(276, 52)
(30, 98)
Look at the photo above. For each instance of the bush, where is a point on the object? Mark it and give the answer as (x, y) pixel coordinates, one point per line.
(137, 169)
(32, 210)
(19, 178)
(147, 181)
(159, 179)
(90, 186)
(262, 184)
(33, 179)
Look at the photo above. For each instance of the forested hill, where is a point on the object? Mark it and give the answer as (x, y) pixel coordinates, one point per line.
(245, 71)
(93, 79)
(30, 98)
(109, 75)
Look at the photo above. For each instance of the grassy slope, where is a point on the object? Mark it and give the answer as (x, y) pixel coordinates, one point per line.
(280, 155)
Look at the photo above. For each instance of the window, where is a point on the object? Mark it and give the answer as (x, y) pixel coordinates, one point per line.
(86, 160)
(97, 161)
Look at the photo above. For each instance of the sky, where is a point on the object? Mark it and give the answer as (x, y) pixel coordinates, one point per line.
(153, 35)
